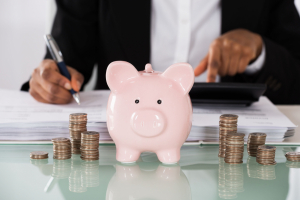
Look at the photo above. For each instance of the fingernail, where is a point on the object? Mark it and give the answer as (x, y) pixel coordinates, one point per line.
(68, 86)
(78, 85)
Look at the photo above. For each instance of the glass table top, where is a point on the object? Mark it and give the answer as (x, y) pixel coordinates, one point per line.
(200, 174)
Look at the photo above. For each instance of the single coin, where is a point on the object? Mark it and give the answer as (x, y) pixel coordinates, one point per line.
(77, 129)
(229, 116)
(266, 147)
(60, 139)
(39, 155)
(232, 134)
(77, 122)
(62, 146)
(58, 158)
(89, 159)
(90, 133)
(257, 134)
(292, 154)
(227, 125)
(78, 114)
(233, 122)
(233, 161)
(227, 128)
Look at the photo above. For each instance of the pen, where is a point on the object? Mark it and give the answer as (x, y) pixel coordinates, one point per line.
(58, 58)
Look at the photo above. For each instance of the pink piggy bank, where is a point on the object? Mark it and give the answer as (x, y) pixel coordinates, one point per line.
(149, 110)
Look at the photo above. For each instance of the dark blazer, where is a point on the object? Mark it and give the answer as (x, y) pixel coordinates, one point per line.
(101, 31)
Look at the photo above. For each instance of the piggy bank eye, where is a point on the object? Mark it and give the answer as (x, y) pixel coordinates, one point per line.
(159, 101)
(137, 101)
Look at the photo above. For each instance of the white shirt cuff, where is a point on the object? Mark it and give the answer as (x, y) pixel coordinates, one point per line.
(258, 63)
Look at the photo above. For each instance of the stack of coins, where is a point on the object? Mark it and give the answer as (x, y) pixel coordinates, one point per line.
(255, 140)
(228, 123)
(293, 156)
(234, 148)
(61, 148)
(89, 145)
(39, 155)
(77, 125)
(266, 155)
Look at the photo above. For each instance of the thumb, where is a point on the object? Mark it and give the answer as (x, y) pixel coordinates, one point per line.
(202, 66)
(76, 79)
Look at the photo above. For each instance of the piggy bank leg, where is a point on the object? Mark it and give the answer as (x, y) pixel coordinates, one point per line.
(126, 155)
(169, 156)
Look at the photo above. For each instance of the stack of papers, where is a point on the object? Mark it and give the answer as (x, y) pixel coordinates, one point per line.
(262, 116)
(24, 119)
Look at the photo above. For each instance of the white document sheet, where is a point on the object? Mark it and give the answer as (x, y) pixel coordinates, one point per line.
(20, 107)
(259, 114)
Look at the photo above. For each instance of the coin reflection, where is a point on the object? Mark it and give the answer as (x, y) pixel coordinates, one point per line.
(136, 182)
(291, 164)
(61, 168)
(90, 173)
(231, 180)
(83, 174)
(264, 172)
(75, 183)
(39, 162)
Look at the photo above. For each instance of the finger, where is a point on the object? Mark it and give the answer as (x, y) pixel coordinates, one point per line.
(48, 97)
(225, 57)
(56, 90)
(50, 87)
(234, 60)
(247, 56)
(214, 61)
(202, 66)
(36, 96)
(49, 72)
(76, 79)
(243, 63)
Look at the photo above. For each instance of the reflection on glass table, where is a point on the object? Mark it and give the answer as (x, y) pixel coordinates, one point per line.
(200, 174)
(148, 182)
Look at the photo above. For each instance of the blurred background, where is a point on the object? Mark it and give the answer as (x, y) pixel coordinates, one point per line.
(22, 47)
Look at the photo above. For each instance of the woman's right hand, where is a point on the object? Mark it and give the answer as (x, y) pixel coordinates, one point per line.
(47, 85)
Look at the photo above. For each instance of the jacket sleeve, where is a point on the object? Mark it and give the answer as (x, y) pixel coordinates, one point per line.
(281, 70)
(76, 33)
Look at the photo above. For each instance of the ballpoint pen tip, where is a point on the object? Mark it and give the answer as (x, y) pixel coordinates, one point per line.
(76, 97)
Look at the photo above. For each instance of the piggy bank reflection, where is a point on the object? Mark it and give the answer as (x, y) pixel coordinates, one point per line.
(134, 182)
(149, 110)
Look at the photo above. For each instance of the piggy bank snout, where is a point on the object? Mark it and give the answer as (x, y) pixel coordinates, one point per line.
(148, 122)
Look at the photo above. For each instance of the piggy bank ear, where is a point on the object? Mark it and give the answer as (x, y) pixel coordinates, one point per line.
(118, 73)
(183, 74)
